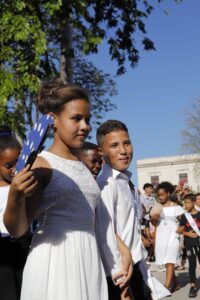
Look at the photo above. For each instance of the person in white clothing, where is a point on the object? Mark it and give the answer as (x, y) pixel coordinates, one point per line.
(61, 193)
(90, 156)
(167, 239)
(116, 212)
(147, 200)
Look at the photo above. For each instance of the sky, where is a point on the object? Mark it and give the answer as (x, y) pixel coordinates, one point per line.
(153, 97)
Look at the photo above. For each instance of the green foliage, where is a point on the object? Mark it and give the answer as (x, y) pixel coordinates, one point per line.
(52, 6)
(33, 38)
(22, 44)
(100, 86)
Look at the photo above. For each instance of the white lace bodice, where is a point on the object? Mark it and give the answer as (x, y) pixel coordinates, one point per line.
(72, 193)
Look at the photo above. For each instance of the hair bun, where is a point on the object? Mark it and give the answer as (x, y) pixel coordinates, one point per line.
(48, 91)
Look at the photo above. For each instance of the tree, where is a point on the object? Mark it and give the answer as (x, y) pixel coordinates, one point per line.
(38, 41)
(191, 133)
(31, 50)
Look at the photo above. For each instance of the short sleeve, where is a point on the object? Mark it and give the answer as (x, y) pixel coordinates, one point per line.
(182, 221)
(179, 210)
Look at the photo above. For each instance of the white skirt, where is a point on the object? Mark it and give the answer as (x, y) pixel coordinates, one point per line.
(167, 243)
(64, 266)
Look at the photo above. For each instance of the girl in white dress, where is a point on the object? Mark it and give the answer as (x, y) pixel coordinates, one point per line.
(167, 239)
(61, 193)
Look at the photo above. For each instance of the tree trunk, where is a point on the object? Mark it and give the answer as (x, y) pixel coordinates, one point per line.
(66, 58)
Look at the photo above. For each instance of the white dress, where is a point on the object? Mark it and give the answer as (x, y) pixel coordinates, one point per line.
(4, 190)
(64, 261)
(167, 240)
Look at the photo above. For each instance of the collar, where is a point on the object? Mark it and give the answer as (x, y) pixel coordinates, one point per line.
(116, 173)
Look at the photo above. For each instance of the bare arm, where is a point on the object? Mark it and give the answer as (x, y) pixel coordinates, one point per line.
(190, 234)
(147, 232)
(23, 198)
(15, 218)
(154, 219)
(180, 229)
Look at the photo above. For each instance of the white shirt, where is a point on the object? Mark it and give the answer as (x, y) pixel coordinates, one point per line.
(116, 214)
(3, 202)
(148, 203)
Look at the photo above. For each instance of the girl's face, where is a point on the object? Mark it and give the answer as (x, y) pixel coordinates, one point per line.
(72, 124)
(163, 195)
(8, 159)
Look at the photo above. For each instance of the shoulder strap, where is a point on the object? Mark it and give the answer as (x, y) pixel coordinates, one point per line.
(192, 223)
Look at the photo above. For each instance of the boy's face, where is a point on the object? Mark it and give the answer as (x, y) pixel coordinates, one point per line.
(189, 204)
(117, 150)
(198, 200)
(93, 161)
(148, 191)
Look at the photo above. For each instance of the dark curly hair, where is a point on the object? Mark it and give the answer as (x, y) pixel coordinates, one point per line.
(167, 186)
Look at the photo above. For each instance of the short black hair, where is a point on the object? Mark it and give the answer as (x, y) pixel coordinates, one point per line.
(8, 138)
(89, 146)
(191, 197)
(107, 127)
(146, 185)
(85, 147)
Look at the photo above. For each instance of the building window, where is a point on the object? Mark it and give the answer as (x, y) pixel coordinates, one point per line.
(155, 181)
(183, 178)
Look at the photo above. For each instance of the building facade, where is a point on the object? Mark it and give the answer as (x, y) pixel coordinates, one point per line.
(181, 169)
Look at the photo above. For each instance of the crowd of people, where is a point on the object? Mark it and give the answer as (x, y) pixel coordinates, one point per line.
(95, 232)
(173, 233)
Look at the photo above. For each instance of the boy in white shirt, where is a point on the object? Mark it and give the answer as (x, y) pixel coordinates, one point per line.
(116, 212)
(147, 200)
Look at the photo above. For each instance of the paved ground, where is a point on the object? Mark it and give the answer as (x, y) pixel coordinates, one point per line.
(183, 279)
